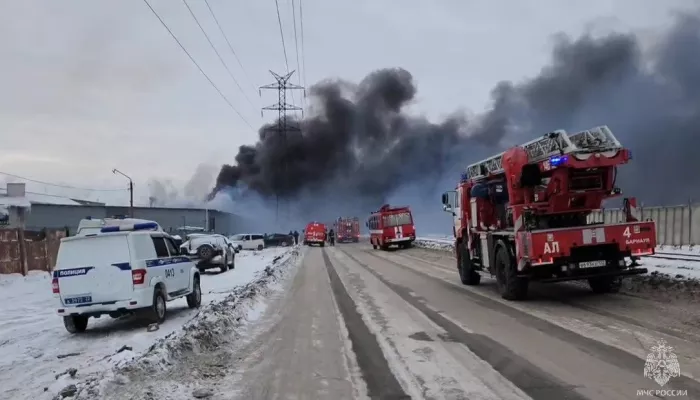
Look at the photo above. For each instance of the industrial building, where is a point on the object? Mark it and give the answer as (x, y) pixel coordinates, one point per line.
(53, 212)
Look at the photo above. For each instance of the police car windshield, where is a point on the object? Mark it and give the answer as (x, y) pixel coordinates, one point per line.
(93, 251)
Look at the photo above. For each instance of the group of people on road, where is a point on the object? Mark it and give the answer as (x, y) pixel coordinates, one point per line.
(295, 235)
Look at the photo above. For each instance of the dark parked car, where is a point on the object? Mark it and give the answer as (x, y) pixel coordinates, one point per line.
(278, 239)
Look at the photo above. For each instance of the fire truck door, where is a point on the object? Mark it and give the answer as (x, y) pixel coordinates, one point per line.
(457, 209)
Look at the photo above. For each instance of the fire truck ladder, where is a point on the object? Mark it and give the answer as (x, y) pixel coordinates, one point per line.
(598, 139)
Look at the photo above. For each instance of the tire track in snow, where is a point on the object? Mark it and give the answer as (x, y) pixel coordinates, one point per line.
(381, 382)
(532, 380)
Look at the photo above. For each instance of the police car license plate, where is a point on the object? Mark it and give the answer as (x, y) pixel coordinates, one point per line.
(592, 264)
(78, 300)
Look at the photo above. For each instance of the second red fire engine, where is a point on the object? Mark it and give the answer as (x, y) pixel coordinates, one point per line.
(391, 226)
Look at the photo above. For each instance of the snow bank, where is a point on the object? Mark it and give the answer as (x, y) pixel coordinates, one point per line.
(435, 242)
(213, 326)
(35, 347)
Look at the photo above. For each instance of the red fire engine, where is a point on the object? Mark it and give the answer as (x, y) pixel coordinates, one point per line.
(391, 225)
(523, 215)
(347, 229)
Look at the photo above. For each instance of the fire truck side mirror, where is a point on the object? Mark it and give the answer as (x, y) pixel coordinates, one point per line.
(448, 200)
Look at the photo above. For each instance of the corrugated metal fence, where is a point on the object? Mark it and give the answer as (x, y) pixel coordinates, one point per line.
(37, 252)
(675, 225)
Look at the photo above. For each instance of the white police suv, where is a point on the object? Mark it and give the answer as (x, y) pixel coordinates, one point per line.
(122, 269)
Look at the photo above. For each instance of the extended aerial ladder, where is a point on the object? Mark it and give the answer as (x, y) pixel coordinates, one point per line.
(581, 144)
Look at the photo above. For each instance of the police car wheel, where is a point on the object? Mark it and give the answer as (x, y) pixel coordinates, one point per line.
(260, 247)
(194, 299)
(158, 309)
(75, 323)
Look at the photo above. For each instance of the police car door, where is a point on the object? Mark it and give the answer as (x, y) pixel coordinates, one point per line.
(162, 267)
(182, 276)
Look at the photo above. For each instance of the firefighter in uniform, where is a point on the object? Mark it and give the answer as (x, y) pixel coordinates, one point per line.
(331, 237)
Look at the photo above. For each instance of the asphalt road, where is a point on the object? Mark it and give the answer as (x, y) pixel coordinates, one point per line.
(565, 343)
(361, 323)
(409, 329)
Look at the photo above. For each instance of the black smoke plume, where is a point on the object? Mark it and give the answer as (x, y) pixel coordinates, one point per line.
(359, 144)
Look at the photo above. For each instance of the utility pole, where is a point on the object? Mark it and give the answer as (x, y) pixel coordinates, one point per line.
(131, 191)
(282, 85)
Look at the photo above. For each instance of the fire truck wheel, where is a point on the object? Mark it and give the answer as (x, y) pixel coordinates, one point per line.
(510, 285)
(467, 273)
(606, 284)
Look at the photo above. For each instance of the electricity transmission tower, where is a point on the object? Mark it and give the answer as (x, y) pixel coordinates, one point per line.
(282, 85)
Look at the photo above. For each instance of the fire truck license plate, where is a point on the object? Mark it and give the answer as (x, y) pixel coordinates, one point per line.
(592, 264)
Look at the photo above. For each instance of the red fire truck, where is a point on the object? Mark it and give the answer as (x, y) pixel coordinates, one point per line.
(315, 233)
(391, 225)
(347, 229)
(525, 215)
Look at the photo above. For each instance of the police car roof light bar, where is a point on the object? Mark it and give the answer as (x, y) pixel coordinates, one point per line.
(144, 226)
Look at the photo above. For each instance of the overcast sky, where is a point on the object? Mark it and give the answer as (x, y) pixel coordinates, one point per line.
(90, 85)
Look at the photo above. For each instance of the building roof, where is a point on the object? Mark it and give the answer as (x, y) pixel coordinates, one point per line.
(40, 198)
(21, 202)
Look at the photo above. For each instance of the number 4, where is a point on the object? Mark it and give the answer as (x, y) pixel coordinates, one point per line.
(627, 232)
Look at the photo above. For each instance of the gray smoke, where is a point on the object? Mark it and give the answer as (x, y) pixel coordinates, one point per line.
(360, 149)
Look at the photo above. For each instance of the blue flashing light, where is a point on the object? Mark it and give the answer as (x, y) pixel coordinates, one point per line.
(464, 176)
(143, 226)
(558, 160)
(629, 154)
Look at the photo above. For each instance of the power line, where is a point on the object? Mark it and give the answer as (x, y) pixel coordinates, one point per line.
(284, 47)
(197, 65)
(216, 51)
(229, 43)
(296, 43)
(61, 186)
(303, 53)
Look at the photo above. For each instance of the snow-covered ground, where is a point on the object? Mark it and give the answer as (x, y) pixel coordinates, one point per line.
(35, 347)
(674, 268)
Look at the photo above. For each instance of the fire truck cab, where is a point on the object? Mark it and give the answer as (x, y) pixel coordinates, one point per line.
(523, 215)
(347, 229)
(391, 226)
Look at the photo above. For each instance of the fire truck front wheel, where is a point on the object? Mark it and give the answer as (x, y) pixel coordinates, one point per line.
(605, 284)
(510, 285)
(465, 266)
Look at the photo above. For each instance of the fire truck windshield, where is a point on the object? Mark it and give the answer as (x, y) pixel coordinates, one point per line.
(402, 218)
